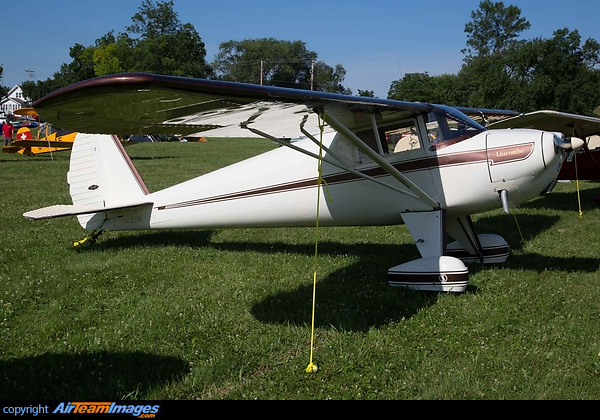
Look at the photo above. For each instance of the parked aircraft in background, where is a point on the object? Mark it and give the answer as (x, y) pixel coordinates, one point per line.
(47, 140)
(50, 139)
(341, 172)
(57, 141)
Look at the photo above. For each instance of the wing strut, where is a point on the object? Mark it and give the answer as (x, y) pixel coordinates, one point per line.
(324, 158)
(385, 165)
(376, 132)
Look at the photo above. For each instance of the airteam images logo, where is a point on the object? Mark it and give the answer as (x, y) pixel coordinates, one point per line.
(142, 411)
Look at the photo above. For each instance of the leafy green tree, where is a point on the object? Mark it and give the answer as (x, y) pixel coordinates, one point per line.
(413, 87)
(164, 45)
(80, 68)
(154, 20)
(274, 62)
(559, 73)
(113, 54)
(156, 42)
(366, 93)
(421, 87)
(3, 89)
(563, 73)
(486, 82)
(493, 29)
(329, 79)
(487, 78)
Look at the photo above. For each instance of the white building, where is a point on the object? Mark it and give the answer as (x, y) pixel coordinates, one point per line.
(13, 100)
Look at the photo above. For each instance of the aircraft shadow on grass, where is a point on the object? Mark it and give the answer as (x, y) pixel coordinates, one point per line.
(96, 376)
(358, 297)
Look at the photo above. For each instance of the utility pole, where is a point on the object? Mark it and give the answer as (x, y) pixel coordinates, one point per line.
(312, 73)
(31, 74)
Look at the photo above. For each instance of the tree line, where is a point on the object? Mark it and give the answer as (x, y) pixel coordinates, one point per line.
(500, 70)
(158, 42)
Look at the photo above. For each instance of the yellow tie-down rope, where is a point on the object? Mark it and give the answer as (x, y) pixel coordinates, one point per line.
(577, 183)
(312, 367)
(519, 229)
(578, 196)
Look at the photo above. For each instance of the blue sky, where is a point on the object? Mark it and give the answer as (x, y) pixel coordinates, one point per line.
(377, 41)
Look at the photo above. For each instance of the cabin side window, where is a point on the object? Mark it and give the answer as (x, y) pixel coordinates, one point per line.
(443, 128)
(395, 138)
(403, 139)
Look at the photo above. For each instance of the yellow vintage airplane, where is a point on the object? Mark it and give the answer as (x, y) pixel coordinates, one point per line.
(25, 144)
(48, 138)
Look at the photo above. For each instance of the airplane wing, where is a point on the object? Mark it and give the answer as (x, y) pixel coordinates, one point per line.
(42, 143)
(568, 124)
(139, 103)
(26, 112)
(487, 113)
(486, 116)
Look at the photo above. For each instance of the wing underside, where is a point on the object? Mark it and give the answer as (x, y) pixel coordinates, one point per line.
(568, 124)
(137, 103)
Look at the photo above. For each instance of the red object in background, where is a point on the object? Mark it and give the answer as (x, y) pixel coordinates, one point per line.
(588, 166)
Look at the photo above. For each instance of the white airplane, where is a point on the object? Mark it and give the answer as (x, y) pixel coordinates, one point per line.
(448, 167)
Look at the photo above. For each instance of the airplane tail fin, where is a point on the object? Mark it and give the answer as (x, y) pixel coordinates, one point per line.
(101, 178)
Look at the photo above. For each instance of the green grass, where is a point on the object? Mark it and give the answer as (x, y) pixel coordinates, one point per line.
(226, 314)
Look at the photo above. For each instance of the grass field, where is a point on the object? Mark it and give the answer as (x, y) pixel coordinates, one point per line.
(226, 314)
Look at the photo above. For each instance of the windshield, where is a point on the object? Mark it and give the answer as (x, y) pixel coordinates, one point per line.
(446, 125)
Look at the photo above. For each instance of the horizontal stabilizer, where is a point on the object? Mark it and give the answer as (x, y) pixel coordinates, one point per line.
(74, 210)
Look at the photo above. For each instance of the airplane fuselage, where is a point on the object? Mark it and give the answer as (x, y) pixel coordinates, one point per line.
(279, 188)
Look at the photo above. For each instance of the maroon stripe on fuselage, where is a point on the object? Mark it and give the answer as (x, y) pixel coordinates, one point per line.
(502, 154)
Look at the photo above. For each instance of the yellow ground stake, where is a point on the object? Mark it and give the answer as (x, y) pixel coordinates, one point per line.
(92, 238)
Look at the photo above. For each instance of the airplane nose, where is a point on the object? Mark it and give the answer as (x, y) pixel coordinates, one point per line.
(569, 143)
